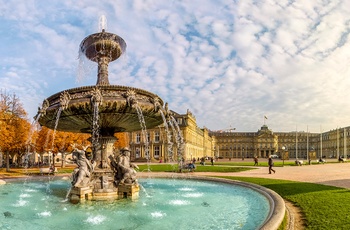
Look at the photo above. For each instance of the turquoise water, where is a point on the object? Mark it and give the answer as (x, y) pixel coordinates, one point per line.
(163, 204)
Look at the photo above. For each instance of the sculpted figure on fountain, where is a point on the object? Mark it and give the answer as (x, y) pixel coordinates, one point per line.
(125, 172)
(81, 174)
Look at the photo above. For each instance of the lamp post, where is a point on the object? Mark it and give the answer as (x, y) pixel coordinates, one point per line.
(283, 156)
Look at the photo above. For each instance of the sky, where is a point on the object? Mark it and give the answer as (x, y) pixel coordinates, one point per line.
(233, 64)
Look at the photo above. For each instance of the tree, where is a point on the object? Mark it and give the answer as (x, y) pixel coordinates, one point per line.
(122, 140)
(14, 126)
(64, 142)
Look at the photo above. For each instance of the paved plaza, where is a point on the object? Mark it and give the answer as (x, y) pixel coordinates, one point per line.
(335, 174)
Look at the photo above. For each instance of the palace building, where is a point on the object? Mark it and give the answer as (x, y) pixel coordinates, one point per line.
(184, 138)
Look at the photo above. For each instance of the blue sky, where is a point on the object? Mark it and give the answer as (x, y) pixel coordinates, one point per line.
(229, 62)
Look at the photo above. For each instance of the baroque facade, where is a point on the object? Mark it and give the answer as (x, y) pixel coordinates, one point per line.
(197, 142)
(201, 142)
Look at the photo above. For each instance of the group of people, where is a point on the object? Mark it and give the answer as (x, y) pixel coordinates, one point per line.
(270, 164)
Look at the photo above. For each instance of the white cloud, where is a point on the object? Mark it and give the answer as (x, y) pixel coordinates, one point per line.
(229, 62)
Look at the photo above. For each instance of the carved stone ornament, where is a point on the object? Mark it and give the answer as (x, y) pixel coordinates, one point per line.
(96, 96)
(64, 99)
(44, 107)
(130, 96)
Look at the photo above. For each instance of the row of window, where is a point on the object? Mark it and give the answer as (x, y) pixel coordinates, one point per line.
(156, 152)
(156, 137)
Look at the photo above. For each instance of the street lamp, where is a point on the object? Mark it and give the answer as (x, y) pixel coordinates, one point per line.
(283, 156)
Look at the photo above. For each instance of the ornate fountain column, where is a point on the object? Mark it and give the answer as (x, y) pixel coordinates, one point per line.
(103, 176)
(102, 76)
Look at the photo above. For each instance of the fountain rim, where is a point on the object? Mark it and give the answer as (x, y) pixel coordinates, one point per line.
(105, 34)
(277, 205)
(105, 87)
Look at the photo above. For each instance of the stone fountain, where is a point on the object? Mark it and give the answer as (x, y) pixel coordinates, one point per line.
(102, 110)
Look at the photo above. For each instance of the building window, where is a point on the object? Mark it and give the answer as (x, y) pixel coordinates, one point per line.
(147, 153)
(156, 151)
(148, 137)
(156, 137)
(179, 121)
(137, 153)
(138, 138)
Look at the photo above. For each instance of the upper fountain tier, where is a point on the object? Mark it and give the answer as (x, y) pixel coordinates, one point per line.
(118, 106)
(102, 48)
(103, 45)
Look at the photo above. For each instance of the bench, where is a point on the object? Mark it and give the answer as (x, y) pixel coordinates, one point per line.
(47, 171)
(342, 159)
(321, 161)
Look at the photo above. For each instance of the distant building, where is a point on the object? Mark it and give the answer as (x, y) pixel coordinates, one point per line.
(196, 141)
(263, 143)
(201, 142)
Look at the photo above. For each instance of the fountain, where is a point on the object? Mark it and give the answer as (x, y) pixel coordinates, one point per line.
(102, 110)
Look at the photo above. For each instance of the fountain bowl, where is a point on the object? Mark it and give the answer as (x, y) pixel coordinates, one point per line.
(103, 44)
(116, 106)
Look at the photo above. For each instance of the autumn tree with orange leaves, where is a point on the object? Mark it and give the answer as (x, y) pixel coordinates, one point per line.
(59, 142)
(64, 143)
(14, 127)
(122, 140)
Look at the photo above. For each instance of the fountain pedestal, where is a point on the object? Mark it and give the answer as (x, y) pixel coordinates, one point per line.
(77, 195)
(128, 191)
(108, 180)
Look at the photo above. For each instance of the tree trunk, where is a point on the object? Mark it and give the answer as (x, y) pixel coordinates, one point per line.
(63, 165)
(7, 161)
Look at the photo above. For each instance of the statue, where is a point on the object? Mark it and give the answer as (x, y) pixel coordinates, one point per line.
(125, 172)
(81, 174)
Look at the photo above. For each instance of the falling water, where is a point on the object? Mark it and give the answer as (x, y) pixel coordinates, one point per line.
(85, 67)
(32, 129)
(143, 130)
(56, 124)
(179, 156)
(54, 131)
(29, 141)
(47, 138)
(67, 194)
(179, 138)
(169, 142)
(95, 127)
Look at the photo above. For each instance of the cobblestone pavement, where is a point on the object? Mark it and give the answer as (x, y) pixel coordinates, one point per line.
(335, 174)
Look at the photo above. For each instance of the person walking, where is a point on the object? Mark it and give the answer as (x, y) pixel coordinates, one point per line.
(270, 165)
(256, 161)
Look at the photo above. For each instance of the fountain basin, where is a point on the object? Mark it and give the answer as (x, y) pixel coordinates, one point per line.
(116, 104)
(103, 44)
(163, 204)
